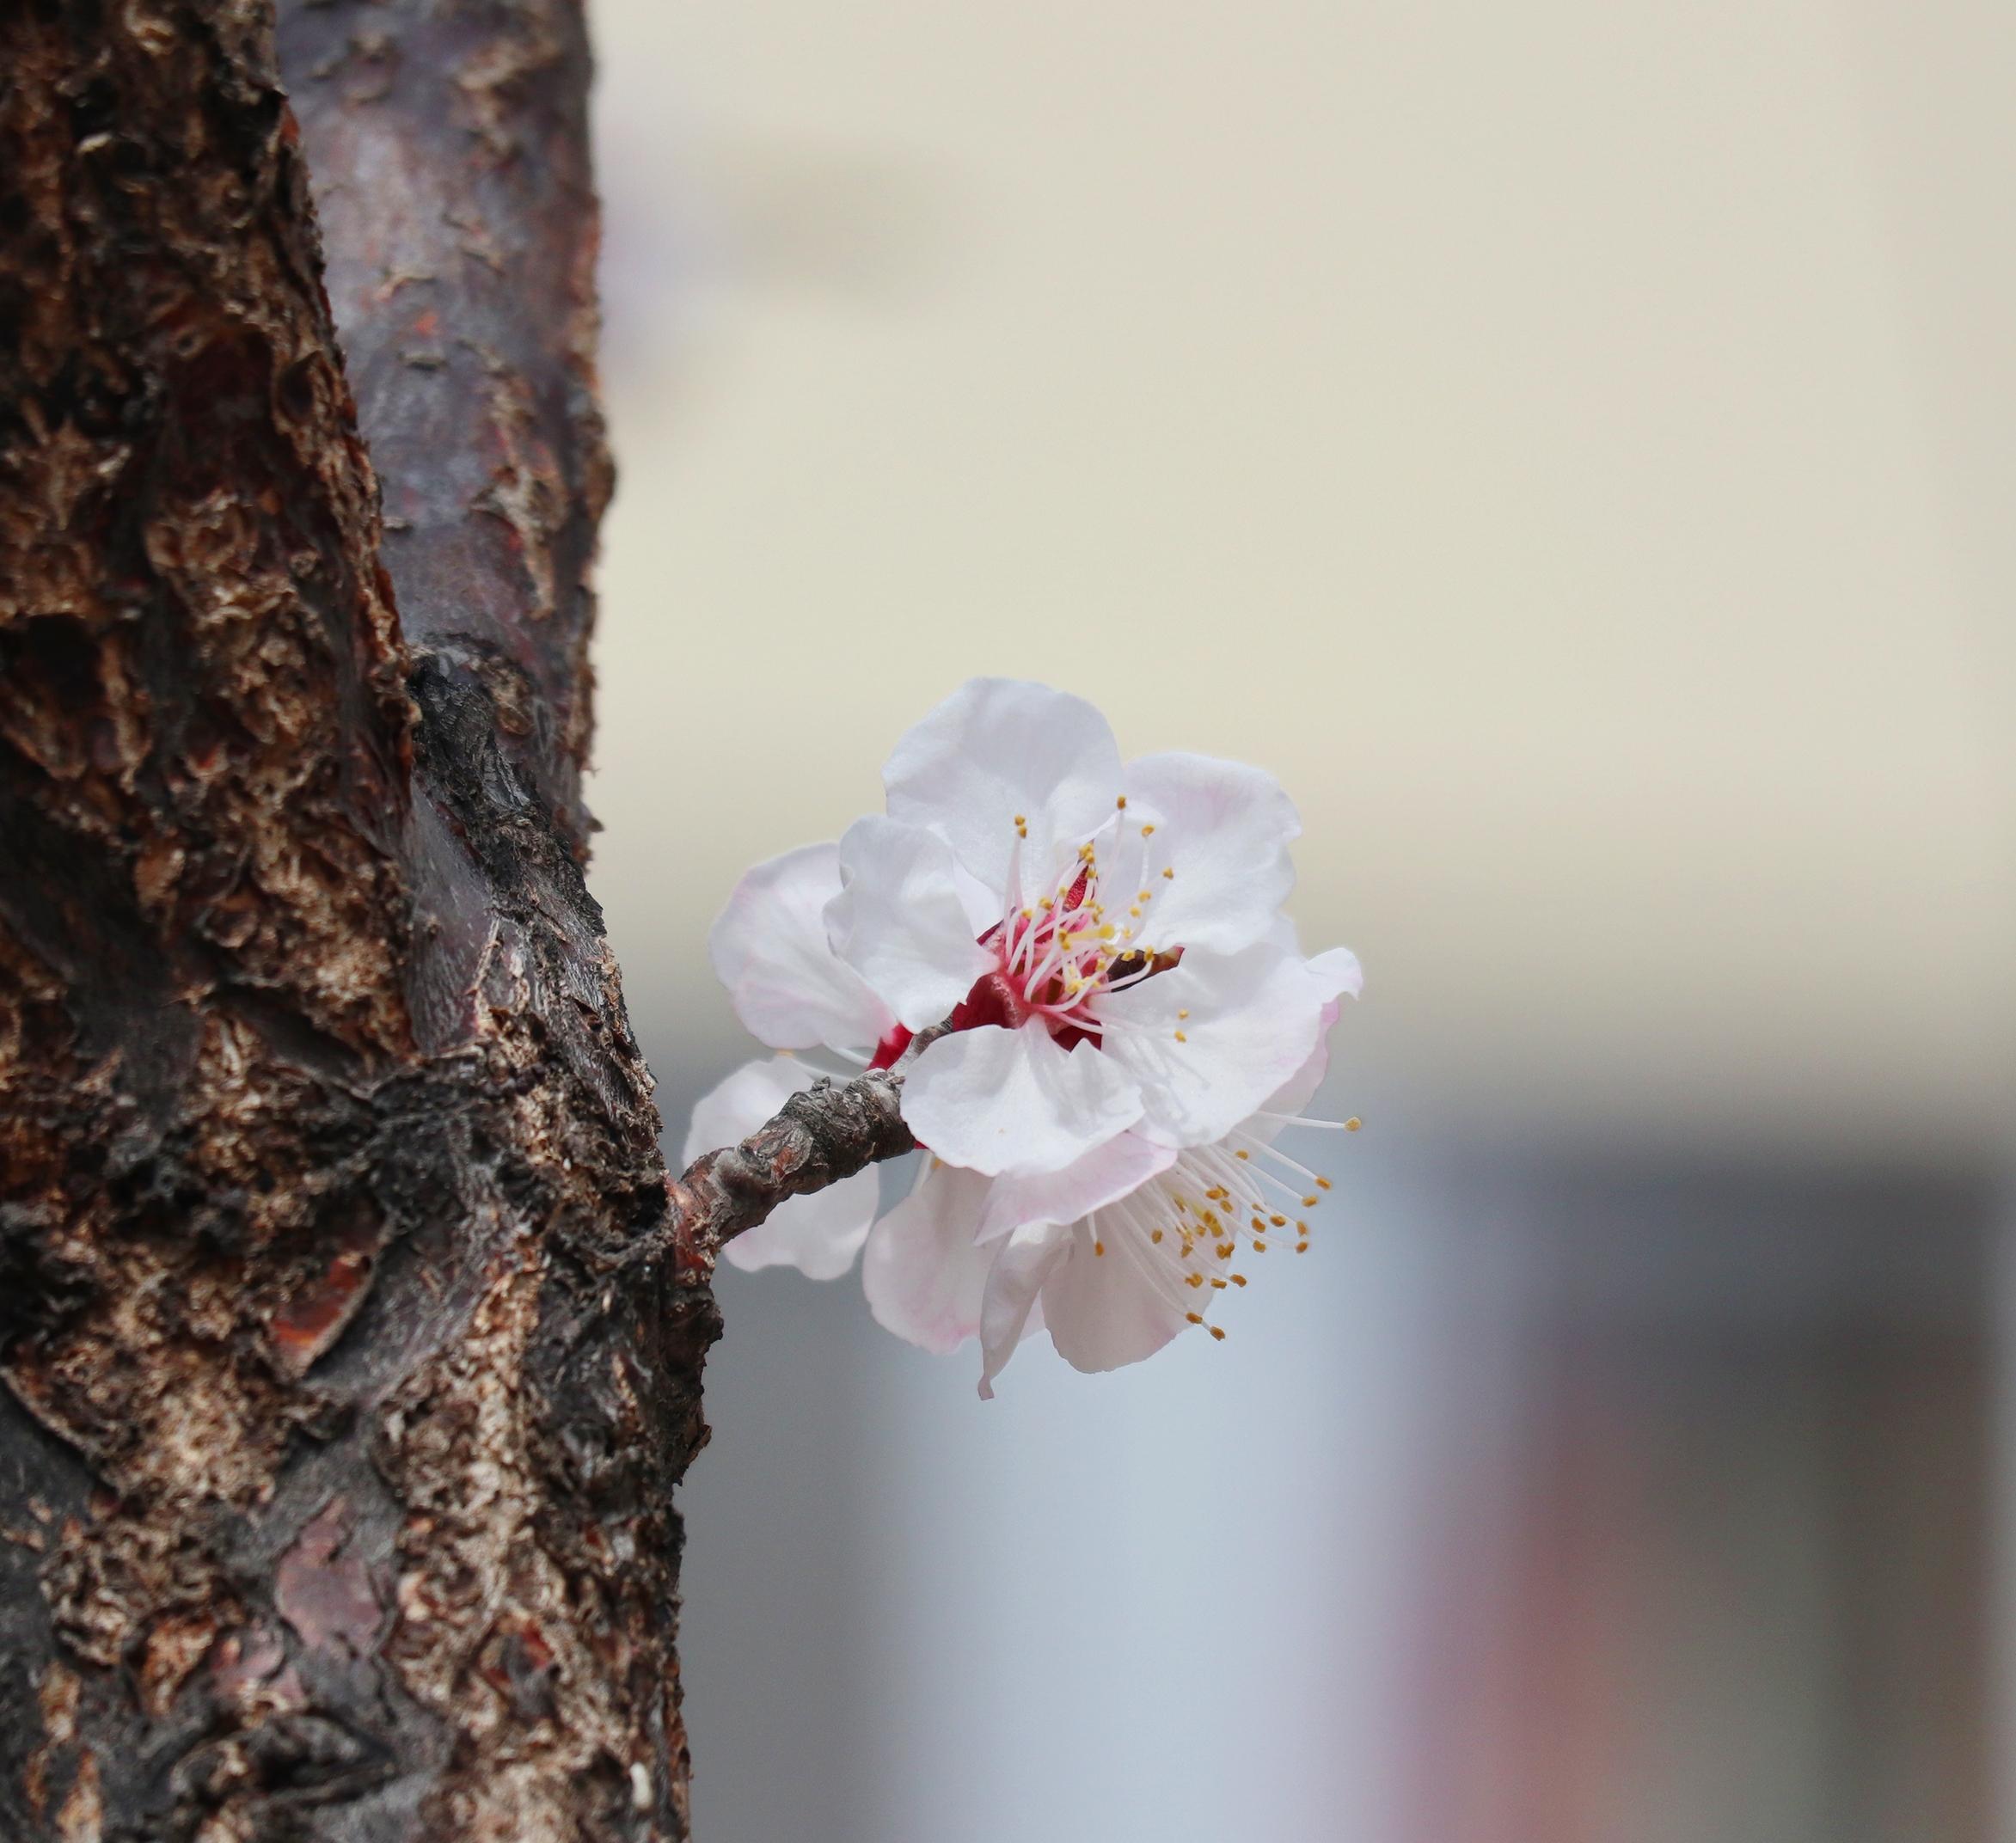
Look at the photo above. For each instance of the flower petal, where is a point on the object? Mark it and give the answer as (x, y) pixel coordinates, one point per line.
(819, 1234)
(1224, 829)
(1208, 1041)
(1339, 970)
(1015, 1285)
(1102, 1176)
(997, 1100)
(899, 920)
(1107, 1309)
(770, 948)
(998, 749)
(921, 1272)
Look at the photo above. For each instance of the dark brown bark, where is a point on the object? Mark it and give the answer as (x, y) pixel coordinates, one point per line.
(352, 1336)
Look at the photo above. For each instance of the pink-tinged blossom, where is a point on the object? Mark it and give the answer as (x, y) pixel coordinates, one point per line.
(1127, 1006)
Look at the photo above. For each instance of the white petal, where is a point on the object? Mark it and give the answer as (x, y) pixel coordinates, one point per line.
(1014, 1284)
(1295, 1093)
(1104, 1310)
(899, 922)
(1102, 1176)
(996, 1100)
(922, 1273)
(770, 948)
(998, 750)
(1209, 1040)
(1339, 971)
(1224, 829)
(818, 1235)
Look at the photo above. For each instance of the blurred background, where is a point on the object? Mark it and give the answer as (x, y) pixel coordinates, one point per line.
(1572, 446)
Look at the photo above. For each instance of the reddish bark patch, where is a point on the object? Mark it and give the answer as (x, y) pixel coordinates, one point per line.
(323, 1589)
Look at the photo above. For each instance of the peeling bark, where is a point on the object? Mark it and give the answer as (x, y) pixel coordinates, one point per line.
(352, 1334)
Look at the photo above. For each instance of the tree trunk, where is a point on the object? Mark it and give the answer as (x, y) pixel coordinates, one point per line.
(352, 1337)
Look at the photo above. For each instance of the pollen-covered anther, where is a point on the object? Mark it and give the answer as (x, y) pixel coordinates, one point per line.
(1353, 1123)
(1323, 1184)
(1193, 1279)
(1237, 1279)
(1099, 1247)
(1259, 1247)
(1216, 1333)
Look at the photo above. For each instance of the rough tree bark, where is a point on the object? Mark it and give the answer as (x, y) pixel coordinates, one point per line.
(352, 1334)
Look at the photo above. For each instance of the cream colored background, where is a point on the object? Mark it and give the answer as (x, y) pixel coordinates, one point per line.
(1572, 444)
(1534, 431)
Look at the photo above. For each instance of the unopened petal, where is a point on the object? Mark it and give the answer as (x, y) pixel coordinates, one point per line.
(998, 1101)
(1208, 1041)
(999, 750)
(1224, 830)
(770, 949)
(923, 1274)
(899, 922)
(819, 1234)
(1101, 1176)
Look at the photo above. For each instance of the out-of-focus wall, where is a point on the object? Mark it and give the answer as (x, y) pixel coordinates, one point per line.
(1571, 446)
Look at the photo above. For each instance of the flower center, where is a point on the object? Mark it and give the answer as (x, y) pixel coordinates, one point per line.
(1057, 956)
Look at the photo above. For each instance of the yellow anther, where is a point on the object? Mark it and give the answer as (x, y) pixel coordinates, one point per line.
(1193, 1279)
(1217, 1286)
(1182, 1014)
(1303, 1226)
(1108, 932)
(1180, 1037)
(1279, 1221)
(1099, 1247)
(1155, 1235)
(1224, 1251)
(1146, 829)
(1135, 913)
(1259, 1247)
(1239, 1279)
(1021, 820)
(1145, 895)
(1243, 1154)
(1353, 1123)
(1310, 1202)
(1216, 1333)
(1323, 1184)
(1170, 871)
(1301, 1247)
(1047, 904)
(1123, 803)
(1195, 1317)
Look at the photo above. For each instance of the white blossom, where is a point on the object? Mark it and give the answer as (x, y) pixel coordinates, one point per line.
(1130, 1021)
